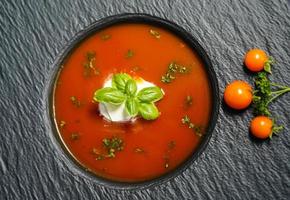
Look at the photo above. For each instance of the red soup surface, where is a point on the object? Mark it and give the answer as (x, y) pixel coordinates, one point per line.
(149, 148)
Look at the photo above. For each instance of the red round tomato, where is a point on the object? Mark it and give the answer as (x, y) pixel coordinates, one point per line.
(255, 60)
(238, 95)
(261, 127)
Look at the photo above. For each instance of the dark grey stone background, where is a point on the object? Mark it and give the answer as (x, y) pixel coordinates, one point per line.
(234, 166)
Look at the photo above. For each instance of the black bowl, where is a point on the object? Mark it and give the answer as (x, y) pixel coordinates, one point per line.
(132, 18)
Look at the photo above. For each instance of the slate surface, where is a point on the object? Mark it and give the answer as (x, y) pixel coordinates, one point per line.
(234, 166)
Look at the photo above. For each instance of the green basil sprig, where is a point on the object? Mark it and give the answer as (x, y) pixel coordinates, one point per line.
(124, 90)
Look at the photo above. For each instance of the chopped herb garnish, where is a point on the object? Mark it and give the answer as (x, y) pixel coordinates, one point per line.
(105, 37)
(183, 69)
(166, 165)
(172, 70)
(113, 145)
(185, 120)
(139, 150)
(136, 68)
(167, 78)
(129, 54)
(155, 33)
(62, 124)
(76, 102)
(170, 146)
(197, 129)
(90, 64)
(99, 156)
(75, 136)
(95, 151)
(188, 101)
(191, 125)
(166, 159)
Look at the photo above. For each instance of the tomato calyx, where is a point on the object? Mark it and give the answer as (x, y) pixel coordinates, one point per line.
(267, 66)
(275, 129)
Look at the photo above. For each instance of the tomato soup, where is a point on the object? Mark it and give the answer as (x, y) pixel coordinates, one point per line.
(142, 149)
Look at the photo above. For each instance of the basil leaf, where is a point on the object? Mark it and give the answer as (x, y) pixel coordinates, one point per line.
(150, 94)
(148, 111)
(132, 107)
(131, 87)
(120, 80)
(109, 95)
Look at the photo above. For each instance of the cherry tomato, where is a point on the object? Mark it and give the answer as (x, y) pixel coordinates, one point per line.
(238, 95)
(261, 127)
(255, 60)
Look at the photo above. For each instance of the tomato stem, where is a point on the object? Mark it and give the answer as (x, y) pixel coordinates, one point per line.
(277, 94)
(278, 85)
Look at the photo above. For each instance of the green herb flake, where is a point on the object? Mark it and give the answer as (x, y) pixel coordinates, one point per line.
(98, 155)
(75, 101)
(90, 68)
(62, 124)
(105, 37)
(95, 151)
(197, 129)
(75, 136)
(130, 54)
(188, 101)
(171, 145)
(113, 145)
(183, 70)
(139, 150)
(172, 70)
(166, 165)
(172, 67)
(185, 120)
(136, 69)
(111, 153)
(167, 78)
(155, 33)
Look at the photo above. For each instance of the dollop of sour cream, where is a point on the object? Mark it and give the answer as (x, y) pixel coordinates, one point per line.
(117, 113)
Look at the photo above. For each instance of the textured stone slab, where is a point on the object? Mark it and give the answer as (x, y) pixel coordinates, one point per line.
(234, 166)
